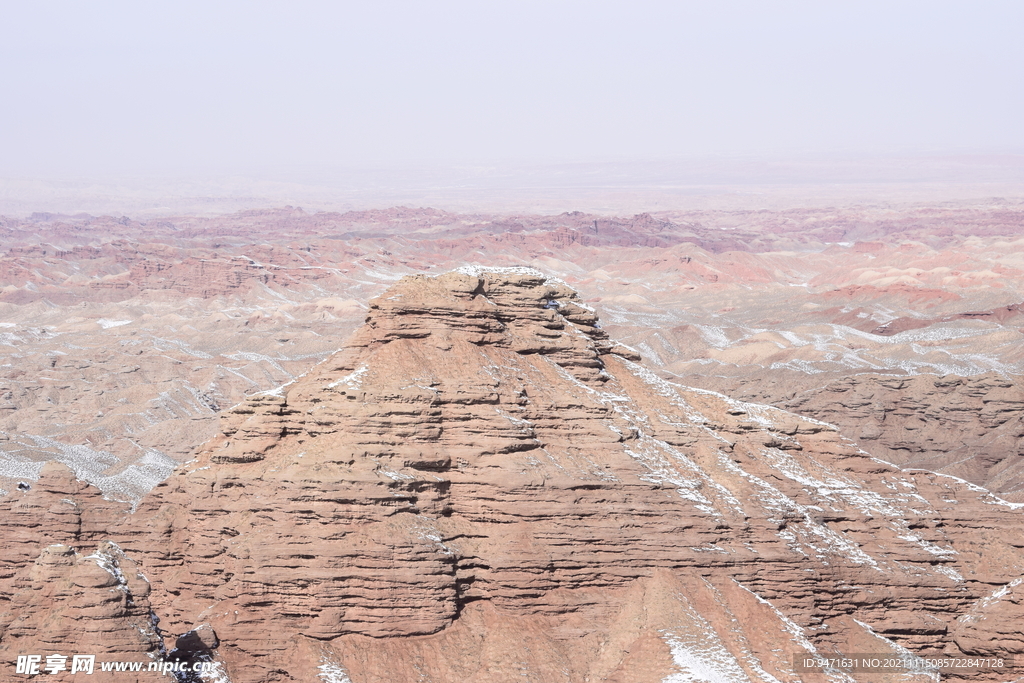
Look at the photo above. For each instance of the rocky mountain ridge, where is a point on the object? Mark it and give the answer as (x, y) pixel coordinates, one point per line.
(124, 339)
(482, 486)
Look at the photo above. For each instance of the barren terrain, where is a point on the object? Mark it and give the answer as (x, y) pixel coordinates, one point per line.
(122, 340)
(411, 445)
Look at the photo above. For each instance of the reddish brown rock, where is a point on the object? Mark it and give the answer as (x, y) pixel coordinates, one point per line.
(970, 427)
(127, 336)
(992, 626)
(70, 603)
(58, 509)
(479, 483)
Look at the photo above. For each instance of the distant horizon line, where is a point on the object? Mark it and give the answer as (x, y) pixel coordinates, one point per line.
(270, 170)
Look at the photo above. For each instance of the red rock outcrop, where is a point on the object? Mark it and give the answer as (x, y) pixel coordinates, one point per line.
(56, 509)
(969, 427)
(131, 335)
(482, 487)
(70, 603)
(63, 589)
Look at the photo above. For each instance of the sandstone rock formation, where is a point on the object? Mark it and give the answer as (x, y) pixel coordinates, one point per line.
(122, 339)
(970, 427)
(482, 487)
(63, 589)
(56, 509)
(123, 342)
(70, 603)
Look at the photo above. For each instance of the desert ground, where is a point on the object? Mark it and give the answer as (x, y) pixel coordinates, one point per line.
(410, 444)
(124, 339)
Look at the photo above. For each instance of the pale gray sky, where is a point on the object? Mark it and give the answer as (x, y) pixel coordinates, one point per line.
(254, 87)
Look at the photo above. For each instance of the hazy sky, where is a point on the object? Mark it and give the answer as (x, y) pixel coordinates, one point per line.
(121, 87)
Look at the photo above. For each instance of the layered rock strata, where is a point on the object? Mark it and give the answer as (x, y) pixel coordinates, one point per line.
(56, 509)
(481, 486)
(66, 591)
(92, 604)
(124, 339)
(970, 427)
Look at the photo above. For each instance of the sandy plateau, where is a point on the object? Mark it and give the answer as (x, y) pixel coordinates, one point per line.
(411, 445)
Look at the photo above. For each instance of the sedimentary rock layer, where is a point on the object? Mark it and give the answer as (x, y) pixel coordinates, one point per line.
(481, 486)
(63, 588)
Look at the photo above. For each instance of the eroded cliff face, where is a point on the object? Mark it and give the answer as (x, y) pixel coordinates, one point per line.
(481, 486)
(57, 509)
(125, 339)
(65, 588)
(969, 427)
(94, 603)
